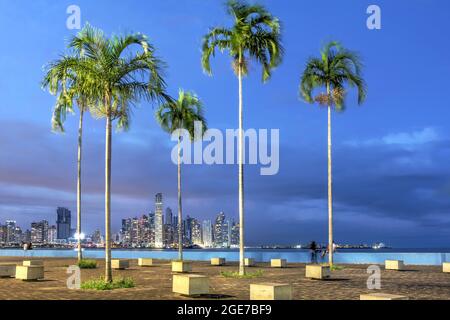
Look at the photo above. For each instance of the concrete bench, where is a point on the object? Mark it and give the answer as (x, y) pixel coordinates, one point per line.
(270, 291)
(190, 284)
(317, 272)
(278, 263)
(394, 265)
(217, 261)
(446, 267)
(32, 263)
(381, 296)
(249, 262)
(8, 270)
(181, 266)
(143, 262)
(119, 264)
(29, 273)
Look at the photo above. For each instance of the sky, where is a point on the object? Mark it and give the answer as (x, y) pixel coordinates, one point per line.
(391, 173)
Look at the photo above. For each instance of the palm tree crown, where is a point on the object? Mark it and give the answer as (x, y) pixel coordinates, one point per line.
(255, 35)
(121, 79)
(335, 68)
(181, 114)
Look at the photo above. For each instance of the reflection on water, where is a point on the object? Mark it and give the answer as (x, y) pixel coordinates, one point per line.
(350, 256)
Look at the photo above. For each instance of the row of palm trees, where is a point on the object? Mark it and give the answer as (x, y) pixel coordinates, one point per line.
(107, 77)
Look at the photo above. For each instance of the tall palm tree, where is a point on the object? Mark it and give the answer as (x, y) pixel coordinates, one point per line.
(335, 69)
(174, 117)
(69, 84)
(256, 36)
(121, 77)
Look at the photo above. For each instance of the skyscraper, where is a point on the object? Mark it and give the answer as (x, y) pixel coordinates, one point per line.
(220, 231)
(51, 234)
(39, 232)
(196, 232)
(11, 231)
(168, 219)
(63, 223)
(207, 234)
(159, 227)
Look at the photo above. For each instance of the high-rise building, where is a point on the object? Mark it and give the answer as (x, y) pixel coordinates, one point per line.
(159, 227)
(63, 223)
(11, 231)
(168, 219)
(234, 234)
(52, 234)
(3, 233)
(220, 231)
(207, 234)
(39, 232)
(196, 232)
(97, 237)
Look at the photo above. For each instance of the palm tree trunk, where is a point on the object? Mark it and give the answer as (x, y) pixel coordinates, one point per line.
(80, 137)
(108, 271)
(180, 211)
(241, 176)
(330, 188)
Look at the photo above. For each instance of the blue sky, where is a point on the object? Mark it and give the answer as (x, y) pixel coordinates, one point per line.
(392, 180)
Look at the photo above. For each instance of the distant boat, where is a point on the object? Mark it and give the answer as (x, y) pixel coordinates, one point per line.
(378, 246)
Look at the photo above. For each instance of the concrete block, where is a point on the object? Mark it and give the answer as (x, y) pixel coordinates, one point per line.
(120, 264)
(217, 261)
(249, 262)
(143, 262)
(29, 273)
(31, 263)
(7, 270)
(317, 272)
(190, 284)
(270, 291)
(381, 296)
(278, 263)
(394, 265)
(181, 266)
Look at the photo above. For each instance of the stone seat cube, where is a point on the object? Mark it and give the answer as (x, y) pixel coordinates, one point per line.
(190, 284)
(120, 264)
(31, 263)
(278, 263)
(394, 265)
(270, 291)
(317, 272)
(181, 266)
(381, 296)
(446, 267)
(7, 270)
(143, 262)
(249, 262)
(217, 261)
(29, 273)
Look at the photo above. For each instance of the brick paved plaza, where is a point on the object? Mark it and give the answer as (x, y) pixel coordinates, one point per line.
(156, 282)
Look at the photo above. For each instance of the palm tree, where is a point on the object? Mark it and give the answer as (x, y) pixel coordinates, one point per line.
(256, 36)
(183, 114)
(63, 80)
(121, 77)
(336, 68)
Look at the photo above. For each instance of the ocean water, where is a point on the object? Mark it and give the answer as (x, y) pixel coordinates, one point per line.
(410, 256)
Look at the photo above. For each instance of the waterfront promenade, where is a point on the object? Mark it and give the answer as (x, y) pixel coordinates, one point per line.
(155, 283)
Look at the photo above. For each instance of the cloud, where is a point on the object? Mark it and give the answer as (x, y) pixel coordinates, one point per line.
(407, 140)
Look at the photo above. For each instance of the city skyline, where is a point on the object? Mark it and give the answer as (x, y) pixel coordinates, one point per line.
(392, 182)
